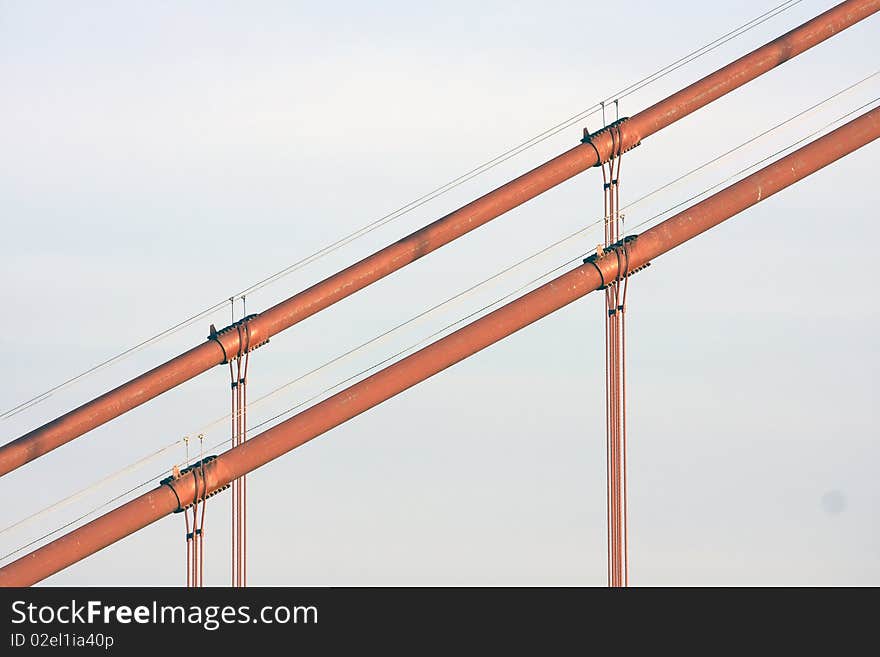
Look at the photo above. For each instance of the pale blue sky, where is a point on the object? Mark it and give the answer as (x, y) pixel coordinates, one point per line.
(158, 157)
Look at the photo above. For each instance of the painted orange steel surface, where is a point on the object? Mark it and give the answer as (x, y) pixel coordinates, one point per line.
(442, 354)
(395, 256)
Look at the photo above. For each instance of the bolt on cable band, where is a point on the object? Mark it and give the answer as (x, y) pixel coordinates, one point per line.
(613, 130)
(615, 246)
(248, 338)
(195, 469)
(194, 515)
(238, 375)
(603, 251)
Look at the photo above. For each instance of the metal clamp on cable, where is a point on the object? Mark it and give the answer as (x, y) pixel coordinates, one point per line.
(195, 468)
(621, 247)
(613, 130)
(591, 260)
(248, 338)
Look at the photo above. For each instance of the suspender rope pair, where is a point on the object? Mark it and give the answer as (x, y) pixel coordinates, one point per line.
(197, 536)
(238, 379)
(615, 385)
(615, 356)
(194, 514)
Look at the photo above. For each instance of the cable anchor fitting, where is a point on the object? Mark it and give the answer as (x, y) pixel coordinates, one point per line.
(197, 470)
(248, 338)
(618, 250)
(616, 134)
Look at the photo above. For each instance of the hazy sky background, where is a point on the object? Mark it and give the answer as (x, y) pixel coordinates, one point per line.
(158, 157)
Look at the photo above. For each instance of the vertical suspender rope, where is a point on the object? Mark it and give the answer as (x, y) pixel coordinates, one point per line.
(243, 411)
(617, 541)
(235, 377)
(194, 513)
(233, 381)
(621, 322)
(195, 549)
(189, 550)
(612, 342)
(609, 465)
(194, 562)
(238, 379)
(615, 323)
(175, 473)
(200, 532)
